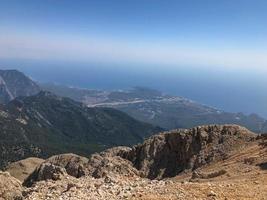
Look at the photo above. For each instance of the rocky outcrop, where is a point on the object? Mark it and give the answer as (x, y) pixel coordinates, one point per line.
(227, 179)
(23, 168)
(73, 164)
(10, 187)
(170, 153)
(57, 166)
(99, 165)
(117, 172)
(161, 156)
(46, 171)
(111, 162)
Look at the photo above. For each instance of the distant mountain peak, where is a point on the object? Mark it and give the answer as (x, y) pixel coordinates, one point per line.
(44, 93)
(14, 83)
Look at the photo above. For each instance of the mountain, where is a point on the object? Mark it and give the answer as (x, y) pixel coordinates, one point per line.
(179, 150)
(205, 162)
(14, 83)
(151, 106)
(45, 124)
(77, 94)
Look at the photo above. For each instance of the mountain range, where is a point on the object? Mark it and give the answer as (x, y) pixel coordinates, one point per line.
(204, 162)
(45, 124)
(157, 108)
(34, 122)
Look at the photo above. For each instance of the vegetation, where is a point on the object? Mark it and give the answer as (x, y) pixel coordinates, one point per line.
(45, 124)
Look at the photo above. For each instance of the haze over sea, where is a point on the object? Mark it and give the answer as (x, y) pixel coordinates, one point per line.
(213, 52)
(230, 90)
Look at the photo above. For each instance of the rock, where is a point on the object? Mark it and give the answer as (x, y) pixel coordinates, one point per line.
(116, 151)
(23, 168)
(57, 166)
(250, 160)
(75, 165)
(170, 153)
(113, 174)
(212, 194)
(200, 175)
(100, 165)
(10, 187)
(45, 171)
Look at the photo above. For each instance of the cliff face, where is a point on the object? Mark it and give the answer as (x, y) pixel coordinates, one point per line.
(165, 155)
(170, 153)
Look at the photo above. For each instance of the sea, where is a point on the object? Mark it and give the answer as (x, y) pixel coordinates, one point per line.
(228, 89)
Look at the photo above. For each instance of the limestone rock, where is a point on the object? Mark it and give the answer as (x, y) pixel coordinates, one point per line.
(170, 153)
(10, 187)
(201, 175)
(23, 168)
(45, 171)
(111, 162)
(75, 165)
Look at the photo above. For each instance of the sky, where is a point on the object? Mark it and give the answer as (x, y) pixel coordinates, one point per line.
(225, 33)
(214, 52)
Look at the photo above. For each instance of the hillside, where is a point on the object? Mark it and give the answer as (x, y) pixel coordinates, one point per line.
(45, 124)
(215, 162)
(151, 106)
(13, 84)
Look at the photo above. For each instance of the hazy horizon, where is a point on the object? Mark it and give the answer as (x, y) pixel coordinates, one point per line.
(213, 52)
(222, 89)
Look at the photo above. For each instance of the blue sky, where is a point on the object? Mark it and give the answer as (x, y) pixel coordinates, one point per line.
(212, 51)
(225, 33)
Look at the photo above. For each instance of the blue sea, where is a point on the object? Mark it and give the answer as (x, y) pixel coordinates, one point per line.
(230, 89)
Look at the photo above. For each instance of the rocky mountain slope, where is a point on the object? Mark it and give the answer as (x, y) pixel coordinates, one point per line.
(45, 124)
(151, 106)
(14, 83)
(173, 152)
(237, 169)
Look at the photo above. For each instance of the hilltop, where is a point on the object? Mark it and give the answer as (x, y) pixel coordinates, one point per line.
(223, 162)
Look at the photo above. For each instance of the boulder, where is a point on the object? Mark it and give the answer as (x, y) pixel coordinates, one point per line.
(110, 162)
(10, 187)
(45, 171)
(57, 166)
(23, 168)
(75, 165)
